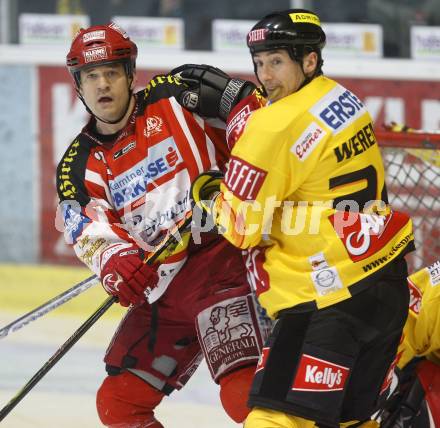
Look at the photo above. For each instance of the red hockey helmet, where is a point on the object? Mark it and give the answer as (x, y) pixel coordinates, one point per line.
(101, 44)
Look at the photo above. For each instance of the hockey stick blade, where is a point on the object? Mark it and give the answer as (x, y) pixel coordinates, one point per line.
(52, 304)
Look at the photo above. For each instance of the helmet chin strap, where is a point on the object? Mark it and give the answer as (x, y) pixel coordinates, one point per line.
(300, 60)
(307, 79)
(110, 122)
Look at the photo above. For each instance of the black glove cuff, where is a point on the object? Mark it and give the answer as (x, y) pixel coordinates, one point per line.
(229, 97)
(235, 91)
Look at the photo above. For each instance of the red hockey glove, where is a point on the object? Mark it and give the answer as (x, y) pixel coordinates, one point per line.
(239, 115)
(125, 275)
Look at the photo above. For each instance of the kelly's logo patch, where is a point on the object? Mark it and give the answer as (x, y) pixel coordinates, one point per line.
(317, 375)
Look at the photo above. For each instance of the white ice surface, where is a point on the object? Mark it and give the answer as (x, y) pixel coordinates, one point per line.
(65, 397)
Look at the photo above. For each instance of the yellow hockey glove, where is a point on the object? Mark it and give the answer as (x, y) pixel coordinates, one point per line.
(205, 189)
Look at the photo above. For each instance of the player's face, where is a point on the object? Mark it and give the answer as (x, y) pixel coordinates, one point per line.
(279, 74)
(105, 89)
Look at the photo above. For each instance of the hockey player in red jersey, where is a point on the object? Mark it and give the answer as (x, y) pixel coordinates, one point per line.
(123, 183)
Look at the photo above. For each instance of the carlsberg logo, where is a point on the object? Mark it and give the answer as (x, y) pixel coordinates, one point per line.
(327, 376)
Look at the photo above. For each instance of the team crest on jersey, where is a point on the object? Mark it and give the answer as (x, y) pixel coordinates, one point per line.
(153, 126)
(237, 123)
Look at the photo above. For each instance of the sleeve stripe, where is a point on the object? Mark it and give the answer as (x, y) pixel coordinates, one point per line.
(177, 109)
(209, 144)
(94, 177)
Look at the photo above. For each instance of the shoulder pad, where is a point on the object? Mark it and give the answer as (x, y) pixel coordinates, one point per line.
(163, 86)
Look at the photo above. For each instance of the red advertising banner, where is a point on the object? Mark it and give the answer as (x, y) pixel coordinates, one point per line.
(62, 115)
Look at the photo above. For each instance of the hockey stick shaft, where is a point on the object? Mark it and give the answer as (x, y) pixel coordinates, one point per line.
(62, 350)
(67, 295)
(52, 304)
(66, 346)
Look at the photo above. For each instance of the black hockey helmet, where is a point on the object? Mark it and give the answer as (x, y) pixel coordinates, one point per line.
(296, 30)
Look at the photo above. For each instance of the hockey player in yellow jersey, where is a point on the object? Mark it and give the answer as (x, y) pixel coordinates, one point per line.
(305, 197)
(416, 400)
(421, 334)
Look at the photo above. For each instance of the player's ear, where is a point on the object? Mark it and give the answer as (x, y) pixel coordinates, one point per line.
(310, 63)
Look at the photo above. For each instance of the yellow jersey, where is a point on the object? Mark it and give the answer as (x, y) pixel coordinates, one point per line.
(296, 169)
(421, 334)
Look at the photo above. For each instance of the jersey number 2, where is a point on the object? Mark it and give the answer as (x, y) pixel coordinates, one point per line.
(361, 197)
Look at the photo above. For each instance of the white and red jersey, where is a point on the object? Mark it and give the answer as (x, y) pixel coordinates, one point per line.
(134, 186)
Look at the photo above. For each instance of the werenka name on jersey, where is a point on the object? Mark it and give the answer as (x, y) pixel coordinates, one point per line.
(357, 144)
